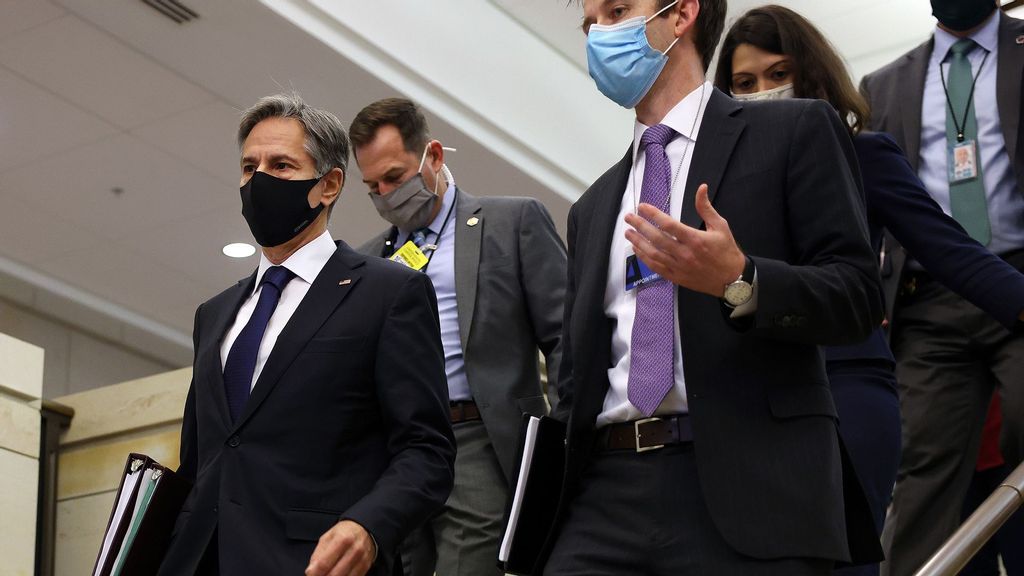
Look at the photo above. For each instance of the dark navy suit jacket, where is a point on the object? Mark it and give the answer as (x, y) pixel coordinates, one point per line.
(347, 420)
(897, 201)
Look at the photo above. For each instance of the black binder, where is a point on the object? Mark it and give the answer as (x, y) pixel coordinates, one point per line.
(146, 507)
(533, 502)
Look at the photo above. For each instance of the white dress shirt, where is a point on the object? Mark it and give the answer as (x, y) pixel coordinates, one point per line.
(306, 263)
(619, 305)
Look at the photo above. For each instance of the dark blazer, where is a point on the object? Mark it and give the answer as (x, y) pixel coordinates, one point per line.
(784, 176)
(348, 420)
(895, 93)
(898, 202)
(509, 287)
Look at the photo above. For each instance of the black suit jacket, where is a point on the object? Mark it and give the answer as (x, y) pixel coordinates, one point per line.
(784, 176)
(509, 287)
(895, 93)
(348, 420)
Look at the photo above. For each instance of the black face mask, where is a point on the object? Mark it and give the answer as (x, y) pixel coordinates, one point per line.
(277, 210)
(960, 15)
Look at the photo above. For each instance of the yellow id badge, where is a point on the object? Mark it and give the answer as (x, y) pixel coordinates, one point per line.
(410, 255)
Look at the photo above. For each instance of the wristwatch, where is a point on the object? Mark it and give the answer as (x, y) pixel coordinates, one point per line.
(739, 292)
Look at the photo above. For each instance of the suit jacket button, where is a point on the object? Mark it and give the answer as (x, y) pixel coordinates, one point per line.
(234, 442)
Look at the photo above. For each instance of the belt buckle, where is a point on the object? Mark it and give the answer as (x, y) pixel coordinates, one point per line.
(636, 435)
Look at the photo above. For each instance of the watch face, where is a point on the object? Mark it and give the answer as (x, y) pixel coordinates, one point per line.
(737, 293)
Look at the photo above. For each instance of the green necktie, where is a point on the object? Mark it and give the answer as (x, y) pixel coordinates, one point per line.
(967, 197)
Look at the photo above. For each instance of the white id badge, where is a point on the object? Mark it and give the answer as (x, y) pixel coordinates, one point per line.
(963, 161)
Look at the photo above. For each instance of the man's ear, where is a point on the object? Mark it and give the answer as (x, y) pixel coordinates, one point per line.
(332, 183)
(435, 156)
(687, 11)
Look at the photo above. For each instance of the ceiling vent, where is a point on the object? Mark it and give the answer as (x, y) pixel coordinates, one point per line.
(173, 9)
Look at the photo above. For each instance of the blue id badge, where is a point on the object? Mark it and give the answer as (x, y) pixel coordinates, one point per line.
(638, 274)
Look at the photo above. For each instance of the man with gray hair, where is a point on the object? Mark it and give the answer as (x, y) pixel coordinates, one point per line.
(316, 430)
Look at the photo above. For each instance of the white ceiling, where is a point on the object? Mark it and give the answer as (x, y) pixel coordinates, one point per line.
(105, 95)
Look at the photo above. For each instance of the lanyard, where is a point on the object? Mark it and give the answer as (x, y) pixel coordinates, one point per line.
(679, 165)
(961, 126)
(444, 225)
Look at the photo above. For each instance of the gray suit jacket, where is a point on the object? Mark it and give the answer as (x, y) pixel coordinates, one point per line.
(510, 286)
(895, 93)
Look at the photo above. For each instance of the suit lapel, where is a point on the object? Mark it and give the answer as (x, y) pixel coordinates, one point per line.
(335, 281)
(915, 70)
(719, 131)
(1009, 71)
(593, 244)
(213, 369)
(467, 259)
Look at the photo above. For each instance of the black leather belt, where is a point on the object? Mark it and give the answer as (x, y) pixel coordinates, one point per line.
(645, 435)
(464, 411)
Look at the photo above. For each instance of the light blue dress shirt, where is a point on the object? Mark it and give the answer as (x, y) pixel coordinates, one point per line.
(1005, 203)
(441, 270)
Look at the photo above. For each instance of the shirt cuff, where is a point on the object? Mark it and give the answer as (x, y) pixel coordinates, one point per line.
(751, 305)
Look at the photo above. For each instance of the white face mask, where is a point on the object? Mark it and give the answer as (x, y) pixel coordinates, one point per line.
(781, 93)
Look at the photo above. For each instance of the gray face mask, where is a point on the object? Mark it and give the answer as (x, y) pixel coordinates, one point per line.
(411, 205)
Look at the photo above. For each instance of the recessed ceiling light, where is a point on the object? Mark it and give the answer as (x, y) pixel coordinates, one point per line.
(239, 250)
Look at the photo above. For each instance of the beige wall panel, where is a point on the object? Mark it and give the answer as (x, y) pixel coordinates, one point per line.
(53, 337)
(19, 427)
(93, 363)
(142, 403)
(19, 482)
(80, 526)
(21, 367)
(97, 467)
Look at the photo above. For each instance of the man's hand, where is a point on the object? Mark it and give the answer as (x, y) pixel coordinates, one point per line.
(701, 260)
(345, 550)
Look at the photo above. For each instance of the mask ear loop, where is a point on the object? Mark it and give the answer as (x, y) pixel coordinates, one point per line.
(655, 15)
(444, 168)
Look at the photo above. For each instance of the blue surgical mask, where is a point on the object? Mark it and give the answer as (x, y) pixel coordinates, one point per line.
(622, 61)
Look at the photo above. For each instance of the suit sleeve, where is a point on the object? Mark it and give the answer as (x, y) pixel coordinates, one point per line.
(828, 292)
(412, 392)
(188, 455)
(898, 201)
(565, 381)
(542, 270)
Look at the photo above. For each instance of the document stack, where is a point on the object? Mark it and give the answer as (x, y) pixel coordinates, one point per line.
(534, 502)
(148, 500)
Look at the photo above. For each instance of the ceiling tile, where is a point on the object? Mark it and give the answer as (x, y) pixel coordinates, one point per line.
(192, 247)
(157, 188)
(30, 234)
(204, 137)
(35, 124)
(133, 281)
(100, 73)
(22, 15)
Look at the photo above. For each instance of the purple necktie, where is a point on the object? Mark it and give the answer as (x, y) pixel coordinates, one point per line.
(652, 359)
(241, 363)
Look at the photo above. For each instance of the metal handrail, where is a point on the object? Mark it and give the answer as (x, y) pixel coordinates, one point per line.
(958, 550)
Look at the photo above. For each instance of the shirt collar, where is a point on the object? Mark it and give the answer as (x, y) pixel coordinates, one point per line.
(987, 37)
(446, 205)
(682, 117)
(306, 262)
